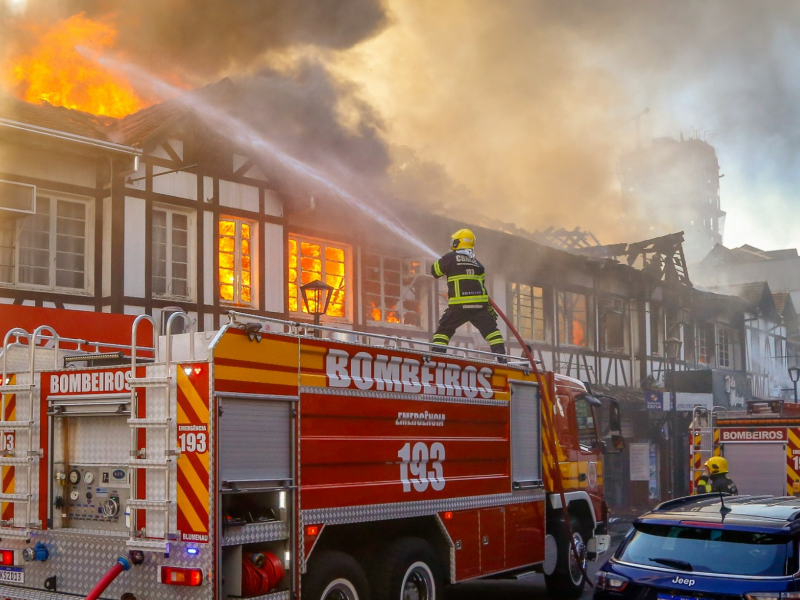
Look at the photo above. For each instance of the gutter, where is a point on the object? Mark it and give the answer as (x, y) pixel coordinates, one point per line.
(71, 137)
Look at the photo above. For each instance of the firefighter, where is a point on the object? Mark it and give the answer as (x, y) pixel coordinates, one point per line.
(703, 483)
(720, 482)
(468, 300)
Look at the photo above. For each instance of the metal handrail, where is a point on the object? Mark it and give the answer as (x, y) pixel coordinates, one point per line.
(134, 331)
(233, 315)
(192, 330)
(16, 331)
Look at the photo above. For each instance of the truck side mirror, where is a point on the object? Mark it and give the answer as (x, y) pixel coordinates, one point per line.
(618, 442)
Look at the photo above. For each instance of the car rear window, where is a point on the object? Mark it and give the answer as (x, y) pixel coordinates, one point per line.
(711, 550)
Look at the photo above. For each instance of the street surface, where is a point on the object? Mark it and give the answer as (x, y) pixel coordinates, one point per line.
(531, 588)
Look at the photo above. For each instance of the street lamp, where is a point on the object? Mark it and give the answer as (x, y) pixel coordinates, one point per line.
(794, 375)
(316, 297)
(672, 349)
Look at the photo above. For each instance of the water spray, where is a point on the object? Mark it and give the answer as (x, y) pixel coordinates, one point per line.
(238, 131)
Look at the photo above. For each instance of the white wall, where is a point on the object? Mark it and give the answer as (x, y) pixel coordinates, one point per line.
(134, 245)
(273, 267)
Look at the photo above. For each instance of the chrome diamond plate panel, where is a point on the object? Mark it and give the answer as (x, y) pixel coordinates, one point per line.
(255, 532)
(274, 596)
(403, 510)
(79, 560)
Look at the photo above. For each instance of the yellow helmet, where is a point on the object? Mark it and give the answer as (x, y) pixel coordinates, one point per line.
(463, 238)
(717, 464)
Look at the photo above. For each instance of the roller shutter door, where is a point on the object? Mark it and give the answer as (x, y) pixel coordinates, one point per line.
(757, 469)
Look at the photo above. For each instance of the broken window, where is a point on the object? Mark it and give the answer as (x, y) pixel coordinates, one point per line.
(313, 260)
(236, 252)
(171, 255)
(703, 343)
(656, 330)
(47, 249)
(573, 319)
(724, 347)
(527, 310)
(614, 325)
(394, 290)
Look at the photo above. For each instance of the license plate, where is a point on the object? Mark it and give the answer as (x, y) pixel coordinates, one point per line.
(671, 597)
(12, 575)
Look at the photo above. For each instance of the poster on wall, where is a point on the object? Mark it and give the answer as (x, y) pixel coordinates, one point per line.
(640, 461)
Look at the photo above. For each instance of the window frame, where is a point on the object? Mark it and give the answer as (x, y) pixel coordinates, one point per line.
(191, 252)
(53, 198)
(348, 275)
(515, 295)
(724, 348)
(567, 329)
(607, 307)
(254, 254)
(400, 309)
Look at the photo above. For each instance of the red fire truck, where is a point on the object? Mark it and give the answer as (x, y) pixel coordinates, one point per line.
(760, 441)
(264, 461)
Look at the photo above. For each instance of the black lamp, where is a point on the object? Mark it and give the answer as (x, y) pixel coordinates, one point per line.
(794, 375)
(316, 297)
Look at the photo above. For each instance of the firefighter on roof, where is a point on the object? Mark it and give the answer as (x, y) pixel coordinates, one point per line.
(468, 300)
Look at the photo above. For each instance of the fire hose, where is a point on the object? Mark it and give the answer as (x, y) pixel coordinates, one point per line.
(122, 564)
(548, 423)
(261, 572)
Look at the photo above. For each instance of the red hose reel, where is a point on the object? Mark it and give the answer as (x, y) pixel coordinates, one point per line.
(261, 572)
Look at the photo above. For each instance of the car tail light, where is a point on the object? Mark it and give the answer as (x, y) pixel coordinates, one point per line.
(7, 557)
(181, 576)
(611, 582)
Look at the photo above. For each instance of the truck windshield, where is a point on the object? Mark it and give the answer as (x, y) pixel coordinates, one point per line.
(711, 550)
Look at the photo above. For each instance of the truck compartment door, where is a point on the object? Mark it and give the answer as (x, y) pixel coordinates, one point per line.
(526, 447)
(757, 468)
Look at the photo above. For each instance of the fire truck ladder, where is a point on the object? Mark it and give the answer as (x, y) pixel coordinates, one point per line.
(160, 384)
(22, 459)
(703, 439)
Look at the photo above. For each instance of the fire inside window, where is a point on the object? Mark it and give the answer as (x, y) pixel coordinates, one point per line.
(51, 245)
(235, 261)
(170, 253)
(311, 260)
(572, 319)
(701, 343)
(527, 310)
(392, 293)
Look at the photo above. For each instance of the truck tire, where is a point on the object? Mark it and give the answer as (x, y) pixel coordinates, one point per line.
(567, 582)
(334, 575)
(407, 569)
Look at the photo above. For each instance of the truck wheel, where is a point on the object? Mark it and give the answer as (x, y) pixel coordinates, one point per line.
(567, 582)
(334, 575)
(408, 569)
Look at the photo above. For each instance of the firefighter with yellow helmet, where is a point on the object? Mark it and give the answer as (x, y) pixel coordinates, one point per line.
(719, 481)
(468, 301)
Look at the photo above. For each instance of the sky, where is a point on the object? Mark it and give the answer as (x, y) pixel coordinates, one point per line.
(515, 110)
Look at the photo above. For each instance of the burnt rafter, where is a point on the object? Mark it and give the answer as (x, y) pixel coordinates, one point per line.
(563, 239)
(662, 258)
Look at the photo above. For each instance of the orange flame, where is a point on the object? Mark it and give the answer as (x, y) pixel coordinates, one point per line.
(55, 71)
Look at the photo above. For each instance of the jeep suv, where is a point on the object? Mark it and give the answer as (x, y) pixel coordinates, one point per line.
(708, 546)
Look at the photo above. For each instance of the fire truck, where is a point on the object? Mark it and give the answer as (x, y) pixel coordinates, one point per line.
(760, 441)
(265, 460)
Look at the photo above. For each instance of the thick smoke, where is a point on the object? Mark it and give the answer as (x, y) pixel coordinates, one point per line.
(518, 110)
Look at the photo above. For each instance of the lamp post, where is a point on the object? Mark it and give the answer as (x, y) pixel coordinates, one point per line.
(316, 297)
(672, 349)
(794, 375)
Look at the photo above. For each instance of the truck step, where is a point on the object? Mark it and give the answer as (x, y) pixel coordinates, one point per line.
(148, 381)
(148, 545)
(16, 498)
(14, 532)
(19, 387)
(147, 463)
(149, 422)
(149, 504)
(15, 425)
(8, 461)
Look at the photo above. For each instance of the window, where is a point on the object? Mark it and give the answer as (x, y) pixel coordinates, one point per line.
(584, 418)
(656, 331)
(171, 267)
(527, 310)
(724, 347)
(236, 251)
(50, 248)
(702, 342)
(393, 289)
(613, 325)
(311, 260)
(573, 319)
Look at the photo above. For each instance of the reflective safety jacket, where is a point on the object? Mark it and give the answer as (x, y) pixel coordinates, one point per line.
(465, 277)
(722, 483)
